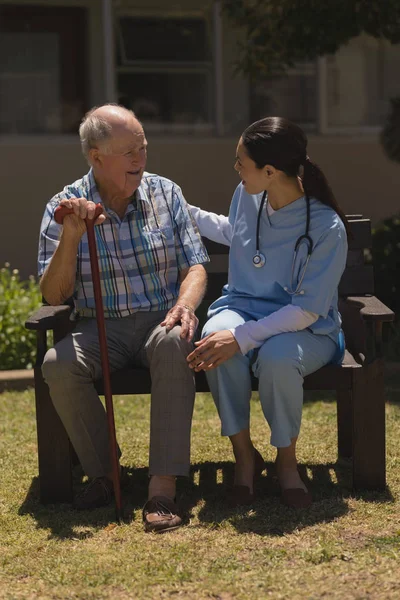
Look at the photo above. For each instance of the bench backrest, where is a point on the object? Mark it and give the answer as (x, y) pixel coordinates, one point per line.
(358, 277)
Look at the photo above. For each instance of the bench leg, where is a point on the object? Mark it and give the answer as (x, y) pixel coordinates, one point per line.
(344, 423)
(54, 450)
(369, 454)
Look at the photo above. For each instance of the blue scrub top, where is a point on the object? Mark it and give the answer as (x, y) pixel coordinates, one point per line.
(258, 292)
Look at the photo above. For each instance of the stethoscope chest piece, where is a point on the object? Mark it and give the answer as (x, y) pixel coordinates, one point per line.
(259, 260)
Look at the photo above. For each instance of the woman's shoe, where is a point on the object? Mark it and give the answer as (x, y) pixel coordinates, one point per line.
(240, 495)
(296, 498)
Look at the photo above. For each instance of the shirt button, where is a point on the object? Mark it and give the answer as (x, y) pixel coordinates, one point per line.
(302, 292)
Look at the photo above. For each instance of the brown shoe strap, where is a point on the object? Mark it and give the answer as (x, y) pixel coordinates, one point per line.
(160, 505)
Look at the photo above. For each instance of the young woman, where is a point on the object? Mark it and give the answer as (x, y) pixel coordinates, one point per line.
(278, 313)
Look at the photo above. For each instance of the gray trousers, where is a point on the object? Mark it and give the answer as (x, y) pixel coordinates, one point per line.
(72, 366)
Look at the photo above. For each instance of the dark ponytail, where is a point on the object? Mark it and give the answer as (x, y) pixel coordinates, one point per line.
(316, 185)
(280, 143)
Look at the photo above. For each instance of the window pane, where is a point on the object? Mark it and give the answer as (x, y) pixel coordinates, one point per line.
(163, 39)
(293, 96)
(29, 83)
(174, 98)
(362, 77)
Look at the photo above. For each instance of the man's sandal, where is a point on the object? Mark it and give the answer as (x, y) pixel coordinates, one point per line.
(160, 514)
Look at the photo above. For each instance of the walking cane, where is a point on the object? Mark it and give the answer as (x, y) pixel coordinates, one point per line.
(59, 215)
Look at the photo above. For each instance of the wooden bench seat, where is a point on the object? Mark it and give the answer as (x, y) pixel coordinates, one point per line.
(358, 382)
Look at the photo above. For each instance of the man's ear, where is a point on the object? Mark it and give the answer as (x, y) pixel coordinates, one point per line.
(95, 157)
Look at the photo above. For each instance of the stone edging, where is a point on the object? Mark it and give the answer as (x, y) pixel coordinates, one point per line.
(17, 380)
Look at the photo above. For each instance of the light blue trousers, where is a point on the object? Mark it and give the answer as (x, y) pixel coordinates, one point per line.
(280, 365)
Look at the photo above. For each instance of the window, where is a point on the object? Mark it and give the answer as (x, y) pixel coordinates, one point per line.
(164, 71)
(360, 80)
(348, 92)
(42, 69)
(293, 96)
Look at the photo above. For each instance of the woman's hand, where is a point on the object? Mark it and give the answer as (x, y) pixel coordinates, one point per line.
(213, 350)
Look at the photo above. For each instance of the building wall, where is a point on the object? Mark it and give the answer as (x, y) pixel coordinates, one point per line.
(32, 172)
(33, 169)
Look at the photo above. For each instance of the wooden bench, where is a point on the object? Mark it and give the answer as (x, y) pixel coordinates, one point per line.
(358, 382)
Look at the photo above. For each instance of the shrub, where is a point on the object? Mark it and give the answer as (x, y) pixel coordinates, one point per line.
(390, 135)
(392, 343)
(386, 257)
(18, 299)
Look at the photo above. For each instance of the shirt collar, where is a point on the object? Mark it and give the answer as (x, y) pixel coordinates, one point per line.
(141, 193)
(93, 192)
(297, 209)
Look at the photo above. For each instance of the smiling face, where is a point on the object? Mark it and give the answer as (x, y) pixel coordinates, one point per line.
(254, 180)
(119, 162)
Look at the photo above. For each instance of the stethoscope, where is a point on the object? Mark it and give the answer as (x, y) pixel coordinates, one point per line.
(259, 259)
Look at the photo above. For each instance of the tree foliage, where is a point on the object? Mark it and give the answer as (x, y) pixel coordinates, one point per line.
(390, 136)
(280, 33)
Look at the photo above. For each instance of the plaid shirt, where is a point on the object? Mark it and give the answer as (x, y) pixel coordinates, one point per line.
(139, 257)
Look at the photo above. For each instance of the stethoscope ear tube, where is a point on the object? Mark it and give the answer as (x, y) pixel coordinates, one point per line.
(304, 238)
(259, 259)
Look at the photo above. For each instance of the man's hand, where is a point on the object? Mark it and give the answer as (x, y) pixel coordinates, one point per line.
(186, 317)
(74, 225)
(213, 350)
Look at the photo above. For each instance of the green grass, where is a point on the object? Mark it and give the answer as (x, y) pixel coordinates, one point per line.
(344, 547)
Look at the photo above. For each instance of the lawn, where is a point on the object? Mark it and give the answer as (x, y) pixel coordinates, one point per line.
(344, 547)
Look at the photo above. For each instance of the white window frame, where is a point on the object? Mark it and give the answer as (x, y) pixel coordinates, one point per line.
(212, 68)
(306, 68)
(322, 126)
(323, 117)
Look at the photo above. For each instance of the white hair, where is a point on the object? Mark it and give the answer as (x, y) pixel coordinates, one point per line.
(95, 130)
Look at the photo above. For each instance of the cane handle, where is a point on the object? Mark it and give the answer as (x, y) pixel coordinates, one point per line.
(62, 211)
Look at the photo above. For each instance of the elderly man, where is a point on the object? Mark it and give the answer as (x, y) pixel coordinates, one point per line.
(150, 260)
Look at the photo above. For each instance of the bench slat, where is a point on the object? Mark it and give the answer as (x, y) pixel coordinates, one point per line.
(328, 378)
(361, 234)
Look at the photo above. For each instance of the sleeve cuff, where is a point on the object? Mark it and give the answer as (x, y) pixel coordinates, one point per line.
(244, 341)
(200, 258)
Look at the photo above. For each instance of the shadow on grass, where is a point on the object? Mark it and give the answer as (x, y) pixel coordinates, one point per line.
(66, 523)
(208, 484)
(330, 485)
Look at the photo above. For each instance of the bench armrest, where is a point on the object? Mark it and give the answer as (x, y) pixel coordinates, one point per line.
(372, 309)
(363, 320)
(49, 317)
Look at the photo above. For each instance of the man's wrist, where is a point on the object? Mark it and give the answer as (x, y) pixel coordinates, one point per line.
(187, 306)
(70, 237)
